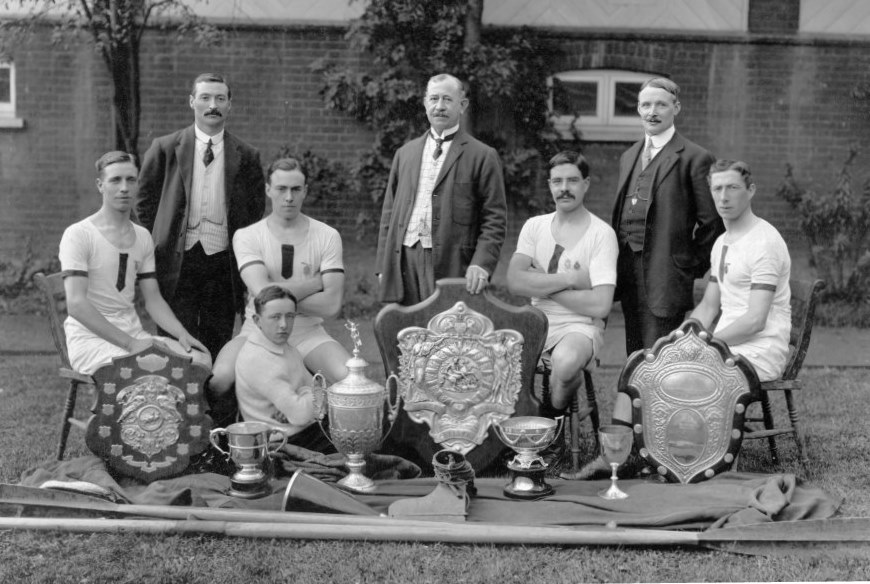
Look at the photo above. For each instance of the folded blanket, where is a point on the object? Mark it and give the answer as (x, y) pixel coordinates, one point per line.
(729, 499)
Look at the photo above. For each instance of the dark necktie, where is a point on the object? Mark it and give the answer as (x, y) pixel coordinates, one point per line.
(208, 156)
(439, 142)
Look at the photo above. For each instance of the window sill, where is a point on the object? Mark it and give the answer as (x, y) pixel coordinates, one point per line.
(605, 134)
(11, 123)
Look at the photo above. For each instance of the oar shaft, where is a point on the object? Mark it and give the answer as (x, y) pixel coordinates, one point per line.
(431, 532)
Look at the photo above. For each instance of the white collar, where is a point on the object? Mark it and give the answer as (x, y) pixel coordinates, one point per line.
(659, 140)
(446, 133)
(258, 338)
(204, 138)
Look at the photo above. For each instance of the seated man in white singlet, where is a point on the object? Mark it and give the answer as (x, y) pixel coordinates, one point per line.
(102, 258)
(749, 282)
(566, 262)
(297, 253)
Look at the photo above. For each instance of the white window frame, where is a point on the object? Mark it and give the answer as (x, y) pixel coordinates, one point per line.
(8, 118)
(605, 125)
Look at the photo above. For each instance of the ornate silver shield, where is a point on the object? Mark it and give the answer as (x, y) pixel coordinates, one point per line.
(689, 396)
(459, 375)
(150, 413)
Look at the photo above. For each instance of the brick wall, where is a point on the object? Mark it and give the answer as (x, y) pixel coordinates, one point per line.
(766, 100)
(774, 16)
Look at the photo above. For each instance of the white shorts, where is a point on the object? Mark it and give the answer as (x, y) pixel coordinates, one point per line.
(559, 331)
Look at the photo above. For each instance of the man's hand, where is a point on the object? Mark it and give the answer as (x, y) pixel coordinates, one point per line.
(578, 277)
(187, 342)
(304, 286)
(476, 279)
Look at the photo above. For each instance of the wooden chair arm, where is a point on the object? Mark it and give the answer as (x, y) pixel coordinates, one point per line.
(75, 376)
(781, 385)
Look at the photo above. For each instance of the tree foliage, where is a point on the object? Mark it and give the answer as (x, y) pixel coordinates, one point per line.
(837, 227)
(411, 40)
(116, 28)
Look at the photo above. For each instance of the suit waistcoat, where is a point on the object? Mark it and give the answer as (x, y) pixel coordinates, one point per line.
(632, 222)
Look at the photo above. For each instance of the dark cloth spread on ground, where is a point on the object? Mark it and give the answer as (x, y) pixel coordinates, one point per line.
(730, 499)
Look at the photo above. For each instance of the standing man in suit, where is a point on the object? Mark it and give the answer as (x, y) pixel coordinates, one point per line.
(197, 187)
(444, 211)
(664, 219)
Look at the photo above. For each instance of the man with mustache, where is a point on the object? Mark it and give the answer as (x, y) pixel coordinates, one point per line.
(197, 187)
(566, 262)
(444, 212)
(664, 219)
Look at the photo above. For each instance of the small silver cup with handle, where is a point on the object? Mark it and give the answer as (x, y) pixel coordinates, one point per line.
(249, 445)
(528, 436)
(356, 415)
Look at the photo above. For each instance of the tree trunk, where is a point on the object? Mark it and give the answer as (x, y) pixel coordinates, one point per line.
(123, 64)
(473, 24)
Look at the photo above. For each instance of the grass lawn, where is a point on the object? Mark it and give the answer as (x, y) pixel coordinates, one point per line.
(834, 408)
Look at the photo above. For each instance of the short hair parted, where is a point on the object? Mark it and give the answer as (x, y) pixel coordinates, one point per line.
(723, 165)
(662, 83)
(287, 164)
(464, 89)
(113, 157)
(571, 157)
(270, 293)
(210, 78)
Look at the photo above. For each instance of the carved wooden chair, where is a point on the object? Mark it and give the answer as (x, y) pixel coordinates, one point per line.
(464, 362)
(804, 297)
(689, 396)
(54, 296)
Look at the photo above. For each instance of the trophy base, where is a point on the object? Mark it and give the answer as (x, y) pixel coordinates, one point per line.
(249, 490)
(528, 484)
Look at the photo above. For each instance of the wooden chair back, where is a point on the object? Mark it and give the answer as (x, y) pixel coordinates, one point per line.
(804, 298)
(413, 440)
(54, 295)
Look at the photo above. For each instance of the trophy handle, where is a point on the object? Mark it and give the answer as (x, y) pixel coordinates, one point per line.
(393, 410)
(283, 440)
(212, 437)
(318, 390)
(560, 421)
(496, 427)
(392, 406)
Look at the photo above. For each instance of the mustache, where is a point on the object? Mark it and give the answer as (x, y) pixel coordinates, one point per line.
(213, 112)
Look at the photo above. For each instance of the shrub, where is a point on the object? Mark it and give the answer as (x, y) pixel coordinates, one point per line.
(836, 225)
(18, 293)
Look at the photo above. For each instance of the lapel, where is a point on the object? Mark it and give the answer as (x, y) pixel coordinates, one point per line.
(232, 159)
(670, 154)
(416, 153)
(185, 150)
(626, 163)
(456, 150)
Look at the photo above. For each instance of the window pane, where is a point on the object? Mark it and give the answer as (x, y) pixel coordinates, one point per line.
(575, 98)
(625, 98)
(5, 86)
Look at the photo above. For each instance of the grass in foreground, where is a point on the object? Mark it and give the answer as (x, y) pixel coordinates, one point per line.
(834, 409)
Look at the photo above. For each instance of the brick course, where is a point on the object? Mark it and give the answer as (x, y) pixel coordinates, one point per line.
(768, 100)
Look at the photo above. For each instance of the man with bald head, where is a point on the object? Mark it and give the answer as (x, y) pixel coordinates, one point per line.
(444, 212)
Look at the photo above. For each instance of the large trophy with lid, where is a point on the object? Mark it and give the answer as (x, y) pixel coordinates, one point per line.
(356, 414)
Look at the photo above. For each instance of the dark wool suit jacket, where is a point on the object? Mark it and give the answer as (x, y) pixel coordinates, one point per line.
(162, 206)
(469, 214)
(675, 252)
